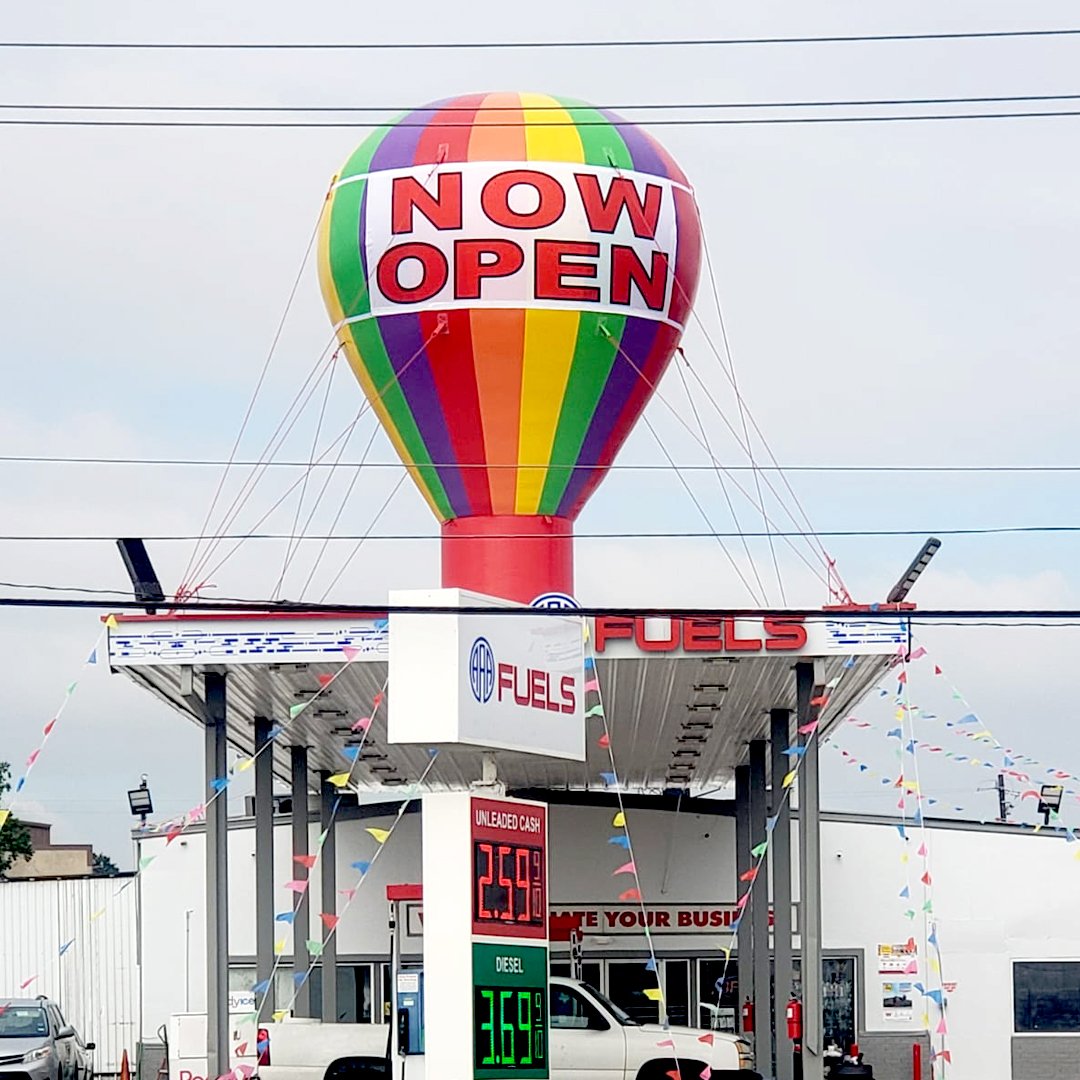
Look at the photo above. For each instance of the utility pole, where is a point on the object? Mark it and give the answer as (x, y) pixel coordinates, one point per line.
(1003, 806)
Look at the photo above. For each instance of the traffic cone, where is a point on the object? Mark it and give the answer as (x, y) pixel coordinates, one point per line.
(125, 1068)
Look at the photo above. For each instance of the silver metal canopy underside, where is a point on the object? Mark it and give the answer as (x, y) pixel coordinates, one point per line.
(681, 721)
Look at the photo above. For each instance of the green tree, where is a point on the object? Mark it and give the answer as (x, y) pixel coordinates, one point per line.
(14, 835)
(104, 866)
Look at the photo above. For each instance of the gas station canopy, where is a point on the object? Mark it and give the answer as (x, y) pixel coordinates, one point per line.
(682, 697)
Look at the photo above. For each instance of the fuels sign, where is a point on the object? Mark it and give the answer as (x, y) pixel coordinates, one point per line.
(482, 680)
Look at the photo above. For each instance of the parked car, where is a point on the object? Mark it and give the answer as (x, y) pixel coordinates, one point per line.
(37, 1043)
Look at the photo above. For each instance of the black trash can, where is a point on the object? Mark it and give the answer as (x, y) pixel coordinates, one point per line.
(849, 1069)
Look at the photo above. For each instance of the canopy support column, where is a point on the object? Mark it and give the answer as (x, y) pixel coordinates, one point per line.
(759, 912)
(780, 865)
(217, 879)
(744, 939)
(809, 876)
(301, 905)
(264, 864)
(328, 802)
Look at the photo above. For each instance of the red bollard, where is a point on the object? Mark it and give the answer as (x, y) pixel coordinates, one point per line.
(916, 1061)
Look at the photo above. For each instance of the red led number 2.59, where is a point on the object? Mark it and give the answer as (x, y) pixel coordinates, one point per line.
(509, 883)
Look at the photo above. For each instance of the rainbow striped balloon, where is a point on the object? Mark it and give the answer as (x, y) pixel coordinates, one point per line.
(509, 275)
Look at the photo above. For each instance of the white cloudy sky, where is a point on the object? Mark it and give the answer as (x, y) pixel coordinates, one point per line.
(895, 294)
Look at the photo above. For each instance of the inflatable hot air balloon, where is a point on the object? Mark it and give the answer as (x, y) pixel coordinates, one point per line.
(509, 275)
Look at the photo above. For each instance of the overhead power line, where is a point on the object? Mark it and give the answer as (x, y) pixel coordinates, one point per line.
(48, 459)
(589, 43)
(995, 530)
(655, 106)
(710, 121)
(956, 617)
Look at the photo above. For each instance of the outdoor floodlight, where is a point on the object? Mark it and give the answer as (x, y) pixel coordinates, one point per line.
(140, 802)
(1050, 800)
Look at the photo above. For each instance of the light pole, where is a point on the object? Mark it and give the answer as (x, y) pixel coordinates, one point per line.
(141, 805)
(187, 959)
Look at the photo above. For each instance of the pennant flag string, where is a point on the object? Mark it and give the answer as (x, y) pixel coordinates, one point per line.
(760, 849)
(622, 839)
(333, 921)
(173, 828)
(311, 860)
(47, 730)
(926, 878)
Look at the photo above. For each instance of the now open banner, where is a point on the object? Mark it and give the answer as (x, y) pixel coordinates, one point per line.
(520, 235)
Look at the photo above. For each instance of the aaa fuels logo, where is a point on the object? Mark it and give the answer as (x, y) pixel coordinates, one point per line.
(482, 669)
(555, 601)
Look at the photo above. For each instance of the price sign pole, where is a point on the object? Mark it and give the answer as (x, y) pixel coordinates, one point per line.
(485, 937)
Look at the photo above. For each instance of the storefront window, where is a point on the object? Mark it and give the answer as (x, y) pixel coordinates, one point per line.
(354, 994)
(719, 998)
(1046, 996)
(838, 1022)
(590, 972)
(718, 994)
(354, 990)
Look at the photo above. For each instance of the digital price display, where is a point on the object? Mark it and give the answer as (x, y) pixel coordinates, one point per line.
(508, 884)
(510, 1011)
(509, 869)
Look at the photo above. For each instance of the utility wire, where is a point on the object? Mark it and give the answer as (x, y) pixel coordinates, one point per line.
(1037, 617)
(759, 597)
(720, 480)
(42, 459)
(274, 341)
(729, 371)
(626, 535)
(623, 43)
(991, 99)
(701, 121)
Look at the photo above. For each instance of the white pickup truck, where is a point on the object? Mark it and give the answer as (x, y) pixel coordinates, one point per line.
(590, 1039)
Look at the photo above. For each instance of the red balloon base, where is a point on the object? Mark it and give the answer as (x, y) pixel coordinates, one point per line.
(511, 557)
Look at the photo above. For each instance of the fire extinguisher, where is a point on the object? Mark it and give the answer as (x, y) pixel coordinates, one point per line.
(793, 1015)
(748, 1016)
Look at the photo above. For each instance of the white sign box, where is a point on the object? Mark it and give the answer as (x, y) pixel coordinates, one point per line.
(509, 682)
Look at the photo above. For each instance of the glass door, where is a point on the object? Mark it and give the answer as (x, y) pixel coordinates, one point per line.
(677, 991)
(627, 982)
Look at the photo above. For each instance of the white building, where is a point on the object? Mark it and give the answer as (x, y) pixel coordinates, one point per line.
(75, 940)
(1005, 901)
(956, 940)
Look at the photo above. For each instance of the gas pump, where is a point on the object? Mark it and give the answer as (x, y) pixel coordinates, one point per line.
(407, 979)
(568, 928)
(577, 954)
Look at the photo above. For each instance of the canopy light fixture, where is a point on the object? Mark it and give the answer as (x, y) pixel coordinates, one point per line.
(697, 725)
(913, 572)
(144, 579)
